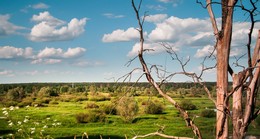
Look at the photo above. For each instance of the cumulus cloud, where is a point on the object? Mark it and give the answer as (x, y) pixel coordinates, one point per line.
(74, 52)
(48, 18)
(110, 15)
(45, 56)
(10, 52)
(152, 48)
(59, 53)
(205, 51)
(49, 28)
(121, 35)
(56, 55)
(40, 6)
(7, 28)
(174, 29)
(184, 32)
(157, 18)
(46, 61)
(50, 53)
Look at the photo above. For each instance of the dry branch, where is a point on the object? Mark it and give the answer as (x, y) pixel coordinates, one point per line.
(161, 135)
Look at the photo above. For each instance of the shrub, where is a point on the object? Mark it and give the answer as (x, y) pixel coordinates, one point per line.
(91, 106)
(25, 102)
(187, 105)
(109, 108)
(92, 116)
(208, 113)
(10, 103)
(127, 108)
(153, 108)
(99, 97)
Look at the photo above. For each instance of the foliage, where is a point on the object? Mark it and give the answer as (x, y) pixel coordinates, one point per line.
(26, 101)
(99, 97)
(152, 107)
(47, 92)
(91, 105)
(92, 116)
(127, 108)
(208, 113)
(15, 94)
(109, 108)
(187, 105)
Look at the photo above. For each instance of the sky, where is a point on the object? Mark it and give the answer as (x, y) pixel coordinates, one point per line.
(92, 40)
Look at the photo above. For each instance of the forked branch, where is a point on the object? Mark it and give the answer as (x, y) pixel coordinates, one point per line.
(188, 120)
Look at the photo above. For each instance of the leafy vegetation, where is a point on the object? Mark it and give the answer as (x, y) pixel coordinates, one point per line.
(72, 112)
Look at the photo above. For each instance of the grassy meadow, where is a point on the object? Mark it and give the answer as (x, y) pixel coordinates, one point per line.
(95, 114)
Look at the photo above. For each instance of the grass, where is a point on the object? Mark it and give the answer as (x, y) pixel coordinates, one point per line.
(114, 127)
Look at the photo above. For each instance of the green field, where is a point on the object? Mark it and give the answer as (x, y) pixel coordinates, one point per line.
(42, 116)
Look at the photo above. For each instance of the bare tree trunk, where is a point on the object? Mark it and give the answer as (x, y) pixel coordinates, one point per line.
(223, 51)
(237, 106)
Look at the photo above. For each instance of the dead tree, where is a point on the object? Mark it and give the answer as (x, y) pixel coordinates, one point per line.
(246, 81)
(149, 77)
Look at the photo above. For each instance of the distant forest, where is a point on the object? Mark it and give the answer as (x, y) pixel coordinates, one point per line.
(107, 87)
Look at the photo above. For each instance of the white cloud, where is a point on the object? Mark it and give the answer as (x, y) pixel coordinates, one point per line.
(50, 53)
(156, 7)
(59, 53)
(10, 52)
(110, 15)
(176, 29)
(7, 28)
(152, 48)
(205, 51)
(121, 35)
(40, 6)
(240, 33)
(46, 17)
(45, 56)
(157, 18)
(50, 29)
(46, 61)
(74, 52)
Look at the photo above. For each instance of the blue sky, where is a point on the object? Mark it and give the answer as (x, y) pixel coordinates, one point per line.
(92, 40)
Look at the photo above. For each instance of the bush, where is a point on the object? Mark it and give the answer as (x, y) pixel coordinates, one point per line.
(187, 105)
(127, 108)
(153, 108)
(91, 106)
(25, 102)
(99, 97)
(109, 108)
(92, 116)
(208, 113)
(10, 103)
